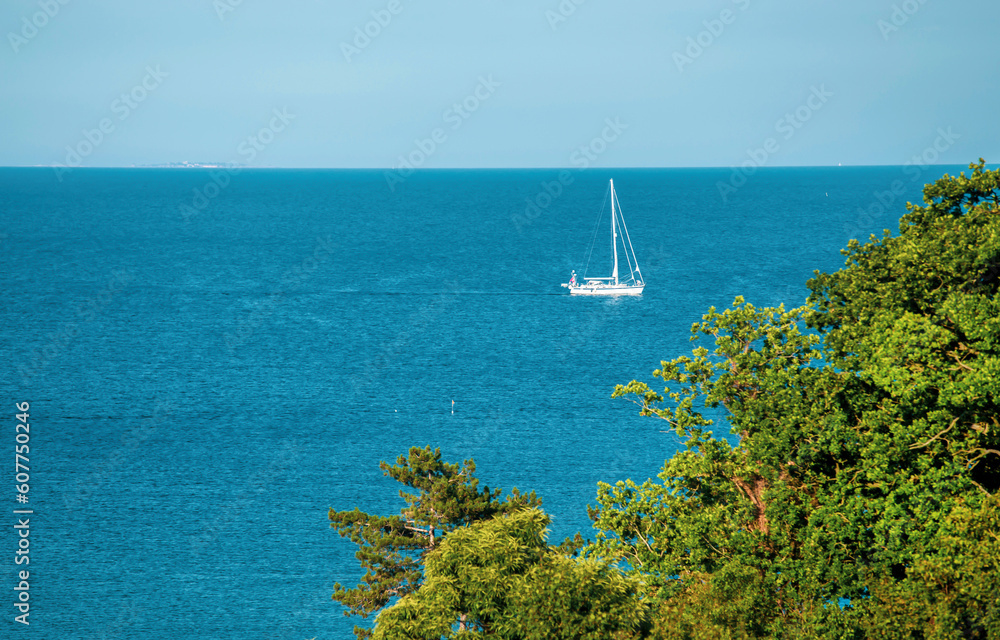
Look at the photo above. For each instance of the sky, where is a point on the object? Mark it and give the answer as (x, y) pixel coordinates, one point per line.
(499, 83)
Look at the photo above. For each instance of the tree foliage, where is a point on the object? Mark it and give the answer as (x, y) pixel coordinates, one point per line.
(855, 495)
(499, 579)
(718, 540)
(392, 549)
(865, 439)
(952, 588)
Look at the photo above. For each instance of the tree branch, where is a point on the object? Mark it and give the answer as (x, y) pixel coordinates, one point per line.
(946, 430)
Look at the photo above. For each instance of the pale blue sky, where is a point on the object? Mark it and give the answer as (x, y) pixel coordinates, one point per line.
(216, 71)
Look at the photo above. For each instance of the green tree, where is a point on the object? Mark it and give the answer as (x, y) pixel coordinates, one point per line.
(952, 590)
(499, 579)
(392, 549)
(916, 319)
(857, 446)
(719, 540)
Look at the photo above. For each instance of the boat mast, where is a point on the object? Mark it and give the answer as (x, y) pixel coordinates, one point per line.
(629, 251)
(614, 234)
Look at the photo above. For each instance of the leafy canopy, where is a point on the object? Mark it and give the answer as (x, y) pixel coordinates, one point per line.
(865, 438)
(498, 579)
(393, 549)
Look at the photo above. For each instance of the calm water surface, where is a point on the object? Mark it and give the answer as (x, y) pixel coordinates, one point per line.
(205, 383)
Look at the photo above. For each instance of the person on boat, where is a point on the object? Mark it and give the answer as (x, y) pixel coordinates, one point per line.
(572, 279)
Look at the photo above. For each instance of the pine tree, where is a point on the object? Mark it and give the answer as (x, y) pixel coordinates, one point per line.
(392, 549)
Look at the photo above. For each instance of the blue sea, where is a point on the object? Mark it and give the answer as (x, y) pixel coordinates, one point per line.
(213, 361)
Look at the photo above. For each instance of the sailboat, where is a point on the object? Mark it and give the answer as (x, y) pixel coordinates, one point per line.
(613, 285)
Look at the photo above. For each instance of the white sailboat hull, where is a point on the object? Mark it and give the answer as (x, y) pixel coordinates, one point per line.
(606, 289)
